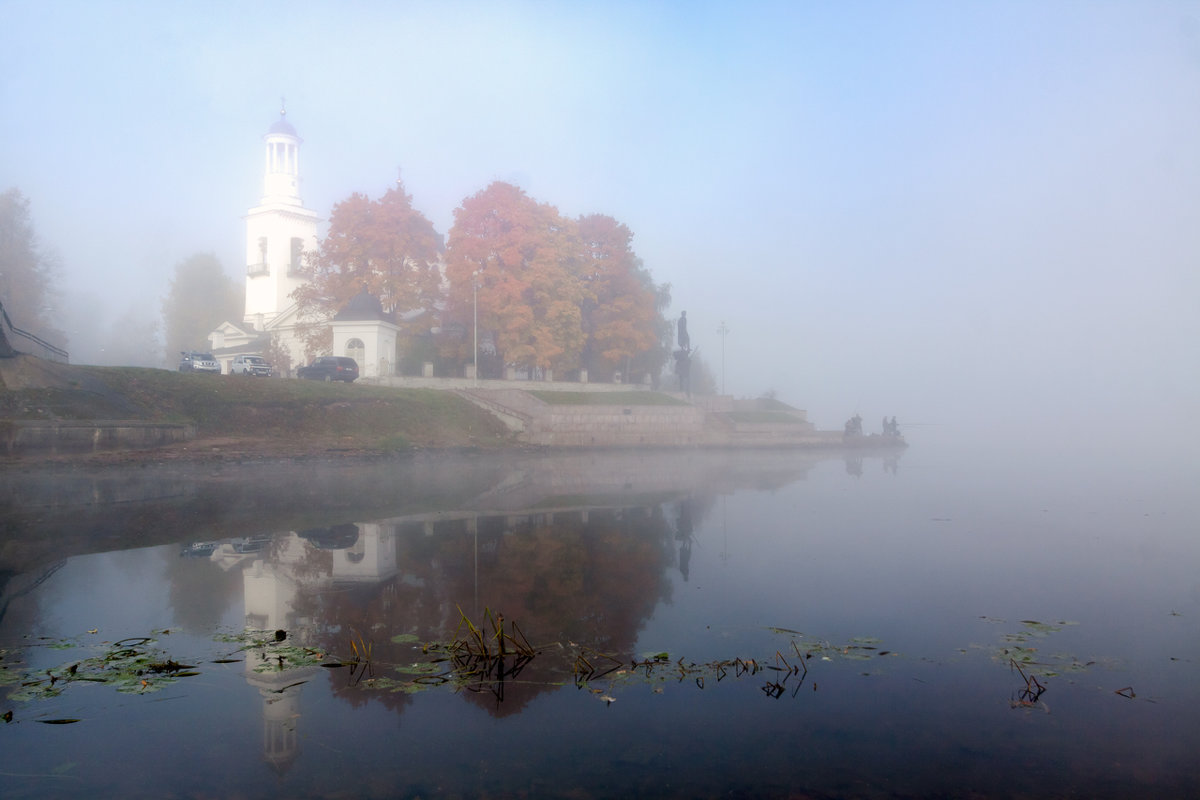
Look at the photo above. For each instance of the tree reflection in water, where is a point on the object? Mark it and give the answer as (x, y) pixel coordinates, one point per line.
(590, 576)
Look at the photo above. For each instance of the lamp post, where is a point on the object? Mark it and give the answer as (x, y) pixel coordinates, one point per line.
(723, 330)
(475, 325)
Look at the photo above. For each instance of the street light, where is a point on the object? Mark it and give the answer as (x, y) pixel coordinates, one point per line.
(723, 330)
(475, 325)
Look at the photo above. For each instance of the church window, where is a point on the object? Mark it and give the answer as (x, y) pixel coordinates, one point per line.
(357, 350)
(297, 255)
(260, 267)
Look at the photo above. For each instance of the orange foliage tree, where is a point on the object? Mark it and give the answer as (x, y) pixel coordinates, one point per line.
(552, 292)
(620, 311)
(384, 245)
(525, 259)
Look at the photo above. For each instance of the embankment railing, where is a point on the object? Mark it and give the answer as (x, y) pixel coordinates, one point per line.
(14, 341)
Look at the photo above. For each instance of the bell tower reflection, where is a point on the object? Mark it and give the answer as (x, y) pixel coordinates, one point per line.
(280, 572)
(270, 589)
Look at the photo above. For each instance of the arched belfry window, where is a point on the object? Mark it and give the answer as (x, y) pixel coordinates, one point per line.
(357, 350)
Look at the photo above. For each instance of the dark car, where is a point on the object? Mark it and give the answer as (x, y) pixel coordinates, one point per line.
(250, 365)
(198, 362)
(331, 368)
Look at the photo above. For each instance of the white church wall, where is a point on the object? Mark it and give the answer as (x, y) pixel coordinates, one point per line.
(270, 283)
(379, 345)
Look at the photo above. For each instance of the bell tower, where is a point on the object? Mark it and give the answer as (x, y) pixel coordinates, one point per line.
(279, 230)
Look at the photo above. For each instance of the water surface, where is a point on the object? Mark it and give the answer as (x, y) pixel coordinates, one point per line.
(940, 622)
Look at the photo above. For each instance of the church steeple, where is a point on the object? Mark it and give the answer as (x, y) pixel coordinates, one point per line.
(281, 183)
(279, 231)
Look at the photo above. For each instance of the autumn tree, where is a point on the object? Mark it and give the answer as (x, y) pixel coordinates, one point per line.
(200, 297)
(28, 274)
(621, 310)
(385, 246)
(525, 259)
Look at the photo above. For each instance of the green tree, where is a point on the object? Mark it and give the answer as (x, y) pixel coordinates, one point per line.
(200, 297)
(28, 273)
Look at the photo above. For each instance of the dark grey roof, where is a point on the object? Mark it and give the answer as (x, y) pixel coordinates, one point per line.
(363, 306)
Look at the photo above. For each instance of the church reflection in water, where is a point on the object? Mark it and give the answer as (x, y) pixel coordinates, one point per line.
(273, 581)
(571, 574)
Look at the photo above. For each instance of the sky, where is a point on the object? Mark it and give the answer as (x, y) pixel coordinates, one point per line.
(981, 218)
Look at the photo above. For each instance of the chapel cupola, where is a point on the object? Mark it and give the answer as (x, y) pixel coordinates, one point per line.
(282, 179)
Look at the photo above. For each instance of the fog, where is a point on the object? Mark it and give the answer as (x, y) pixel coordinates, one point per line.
(980, 218)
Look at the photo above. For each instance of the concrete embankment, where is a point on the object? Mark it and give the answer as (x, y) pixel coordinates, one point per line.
(679, 422)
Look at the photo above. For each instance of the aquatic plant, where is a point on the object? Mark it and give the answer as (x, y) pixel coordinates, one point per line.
(132, 666)
(487, 656)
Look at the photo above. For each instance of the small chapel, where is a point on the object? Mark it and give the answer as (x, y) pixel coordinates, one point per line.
(279, 231)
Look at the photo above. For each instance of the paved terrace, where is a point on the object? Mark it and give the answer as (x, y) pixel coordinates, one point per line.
(665, 419)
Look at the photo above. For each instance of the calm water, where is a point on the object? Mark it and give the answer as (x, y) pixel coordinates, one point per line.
(831, 627)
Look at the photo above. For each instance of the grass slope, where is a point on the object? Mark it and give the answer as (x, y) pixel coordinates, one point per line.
(294, 412)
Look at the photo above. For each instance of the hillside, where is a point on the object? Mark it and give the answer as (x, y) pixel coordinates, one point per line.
(249, 415)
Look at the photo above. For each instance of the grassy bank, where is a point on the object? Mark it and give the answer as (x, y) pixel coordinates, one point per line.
(291, 414)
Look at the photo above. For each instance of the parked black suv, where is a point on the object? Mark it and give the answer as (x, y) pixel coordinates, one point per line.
(331, 368)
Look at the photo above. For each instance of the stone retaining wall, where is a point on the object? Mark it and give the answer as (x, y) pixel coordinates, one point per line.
(616, 426)
(706, 423)
(488, 384)
(25, 437)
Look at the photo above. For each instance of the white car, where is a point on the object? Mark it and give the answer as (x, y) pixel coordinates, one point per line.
(250, 365)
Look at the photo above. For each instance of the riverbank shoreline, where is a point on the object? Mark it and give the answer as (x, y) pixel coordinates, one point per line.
(53, 413)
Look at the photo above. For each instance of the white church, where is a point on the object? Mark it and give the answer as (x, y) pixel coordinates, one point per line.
(279, 231)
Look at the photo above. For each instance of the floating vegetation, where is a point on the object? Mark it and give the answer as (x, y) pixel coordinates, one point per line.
(492, 653)
(1032, 692)
(1022, 652)
(406, 638)
(1021, 648)
(131, 666)
(481, 661)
